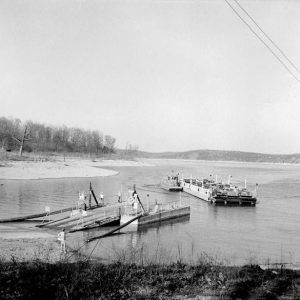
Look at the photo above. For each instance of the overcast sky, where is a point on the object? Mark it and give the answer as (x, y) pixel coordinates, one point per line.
(165, 75)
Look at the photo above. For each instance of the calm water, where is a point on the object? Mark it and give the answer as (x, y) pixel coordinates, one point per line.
(267, 232)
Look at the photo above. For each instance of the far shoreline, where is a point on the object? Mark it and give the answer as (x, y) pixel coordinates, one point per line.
(39, 167)
(226, 161)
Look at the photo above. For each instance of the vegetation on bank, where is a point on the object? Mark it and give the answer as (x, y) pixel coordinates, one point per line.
(29, 136)
(35, 137)
(94, 280)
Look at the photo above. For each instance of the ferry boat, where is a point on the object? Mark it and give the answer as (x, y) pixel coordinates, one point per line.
(218, 193)
(171, 183)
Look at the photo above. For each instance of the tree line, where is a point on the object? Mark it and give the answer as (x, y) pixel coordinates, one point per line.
(30, 136)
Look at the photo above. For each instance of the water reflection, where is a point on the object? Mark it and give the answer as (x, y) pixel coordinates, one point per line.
(143, 229)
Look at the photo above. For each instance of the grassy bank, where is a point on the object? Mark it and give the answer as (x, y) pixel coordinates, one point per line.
(93, 280)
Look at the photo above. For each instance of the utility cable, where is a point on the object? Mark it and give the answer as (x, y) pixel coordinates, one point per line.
(80, 247)
(269, 48)
(267, 36)
(94, 248)
(76, 251)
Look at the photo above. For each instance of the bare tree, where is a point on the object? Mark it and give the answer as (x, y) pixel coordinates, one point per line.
(109, 144)
(25, 137)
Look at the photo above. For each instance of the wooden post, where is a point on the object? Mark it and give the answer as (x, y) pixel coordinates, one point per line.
(90, 196)
(229, 179)
(148, 206)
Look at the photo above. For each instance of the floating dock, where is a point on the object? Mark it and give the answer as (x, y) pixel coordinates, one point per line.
(135, 214)
(169, 211)
(143, 218)
(82, 217)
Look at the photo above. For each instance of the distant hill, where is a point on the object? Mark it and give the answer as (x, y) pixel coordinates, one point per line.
(220, 155)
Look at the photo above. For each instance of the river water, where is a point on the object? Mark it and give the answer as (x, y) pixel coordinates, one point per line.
(267, 233)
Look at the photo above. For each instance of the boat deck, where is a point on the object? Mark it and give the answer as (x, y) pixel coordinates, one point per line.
(218, 193)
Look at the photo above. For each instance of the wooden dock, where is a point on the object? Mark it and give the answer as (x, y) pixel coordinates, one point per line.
(111, 220)
(78, 219)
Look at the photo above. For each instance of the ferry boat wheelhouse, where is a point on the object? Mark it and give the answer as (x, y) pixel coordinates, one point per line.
(171, 183)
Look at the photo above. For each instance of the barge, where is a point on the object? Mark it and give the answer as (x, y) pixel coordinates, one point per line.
(219, 193)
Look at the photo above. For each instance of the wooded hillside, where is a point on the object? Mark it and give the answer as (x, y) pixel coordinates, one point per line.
(220, 155)
(30, 136)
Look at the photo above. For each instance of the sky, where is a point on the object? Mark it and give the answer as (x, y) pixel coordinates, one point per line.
(164, 75)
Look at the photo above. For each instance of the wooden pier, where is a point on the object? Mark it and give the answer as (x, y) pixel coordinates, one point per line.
(79, 219)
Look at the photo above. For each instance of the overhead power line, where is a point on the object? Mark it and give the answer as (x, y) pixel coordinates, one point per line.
(266, 45)
(267, 36)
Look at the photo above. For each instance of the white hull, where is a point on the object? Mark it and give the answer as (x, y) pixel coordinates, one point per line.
(230, 196)
(199, 192)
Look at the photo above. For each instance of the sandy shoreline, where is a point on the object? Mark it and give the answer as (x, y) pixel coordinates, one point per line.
(47, 250)
(71, 168)
(23, 241)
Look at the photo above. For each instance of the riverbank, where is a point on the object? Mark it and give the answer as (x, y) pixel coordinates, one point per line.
(85, 279)
(25, 242)
(60, 167)
(29, 255)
